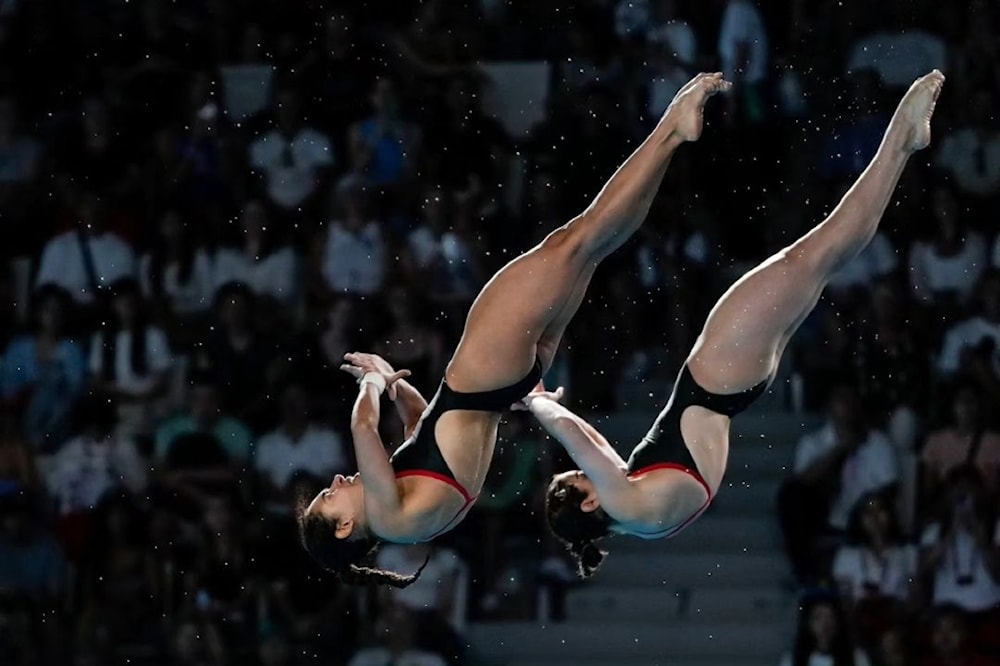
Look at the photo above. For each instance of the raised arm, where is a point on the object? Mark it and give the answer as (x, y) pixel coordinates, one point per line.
(587, 447)
(381, 492)
(410, 406)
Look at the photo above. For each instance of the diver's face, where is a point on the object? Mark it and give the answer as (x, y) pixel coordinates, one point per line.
(342, 503)
(582, 483)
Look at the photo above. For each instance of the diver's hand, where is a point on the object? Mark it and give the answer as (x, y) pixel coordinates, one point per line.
(539, 392)
(359, 364)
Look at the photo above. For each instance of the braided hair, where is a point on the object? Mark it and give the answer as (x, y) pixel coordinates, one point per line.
(352, 560)
(577, 528)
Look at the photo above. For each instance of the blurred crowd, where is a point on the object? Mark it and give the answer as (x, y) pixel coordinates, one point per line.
(206, 204)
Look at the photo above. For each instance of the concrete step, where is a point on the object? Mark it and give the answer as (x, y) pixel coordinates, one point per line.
(662, 566)
(709, 605)
(653, 641)
(719, 530)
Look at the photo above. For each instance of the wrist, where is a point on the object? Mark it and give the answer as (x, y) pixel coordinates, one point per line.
(374, 379)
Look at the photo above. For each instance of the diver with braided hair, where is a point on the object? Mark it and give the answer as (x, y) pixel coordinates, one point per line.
(673, 474)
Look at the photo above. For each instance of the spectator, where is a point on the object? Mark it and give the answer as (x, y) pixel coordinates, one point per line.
(966, 440)
(823, 635)
(432, 600)
(259, 260)
(971, 348)
(298, 445)
(959, 551)
(834, 467)
(950, 640)
(891, 365)
(354, 255)
(18, 475)
(294, 158)
(130, 361)
(44, 373)
(899, 53)
(410, 341)
(671, 51)
(244, 358)
(944, 271)
(385, 146)
(853, 143)
(876, 262)
(246, 83)
(88, 258)
(743, 54)
(176, 275)
(32, 569)
(971, 154)
(877, 571)
(204, 415)
(895, 648)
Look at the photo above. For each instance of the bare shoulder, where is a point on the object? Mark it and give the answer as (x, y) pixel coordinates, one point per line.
(665, 498)
(424, 510)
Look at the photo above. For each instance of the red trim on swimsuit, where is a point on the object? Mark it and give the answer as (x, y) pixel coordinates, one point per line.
(670, 531)
(469, 498)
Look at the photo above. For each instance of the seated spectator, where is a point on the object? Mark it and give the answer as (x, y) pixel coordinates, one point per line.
(385, 147)
(951, 641)
(246, 82)
(44, 372)
(431, 601)
(354, 253)
(834, 468)
(959, 552)
(88, 258)
(294, 158)
(130, 360)
(298, 445)
(670, 53)
(852, 144)
(18, 474)
(399, 646)
(243, 357)
(823, 635)
(176, 274)
(876, 572)
(944, 271)
(410, 341)
(971, 348)
(196, 642)
(895, 648)
(743, 51)
(966, 440)
(204, 415)
(124, 599)
(891, 365)
(901, 54)
(971, 153)
(877, 261)
(258, 260)
(32, 568)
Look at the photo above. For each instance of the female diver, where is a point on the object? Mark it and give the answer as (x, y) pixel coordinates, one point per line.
(511, 335)
(676, 470)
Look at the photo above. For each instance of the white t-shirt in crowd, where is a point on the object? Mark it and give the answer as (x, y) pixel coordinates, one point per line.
(874, 465)
(742, 23)
(83, 470)
(969, 333)
(290, 166)
(443, 567)
(320, 451)
(354, 263)
(158, 360)
(380, 656)
(62, 263)
(962, 560)
(899, 58)
(678, 37)
(931, 273)
(425, 246)
(191, 297)
(876, 260)
(274, 275)
(973, 159)
(857, 568)
(817, 659)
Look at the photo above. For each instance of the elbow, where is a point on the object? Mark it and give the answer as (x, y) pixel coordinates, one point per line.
(363, 426)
